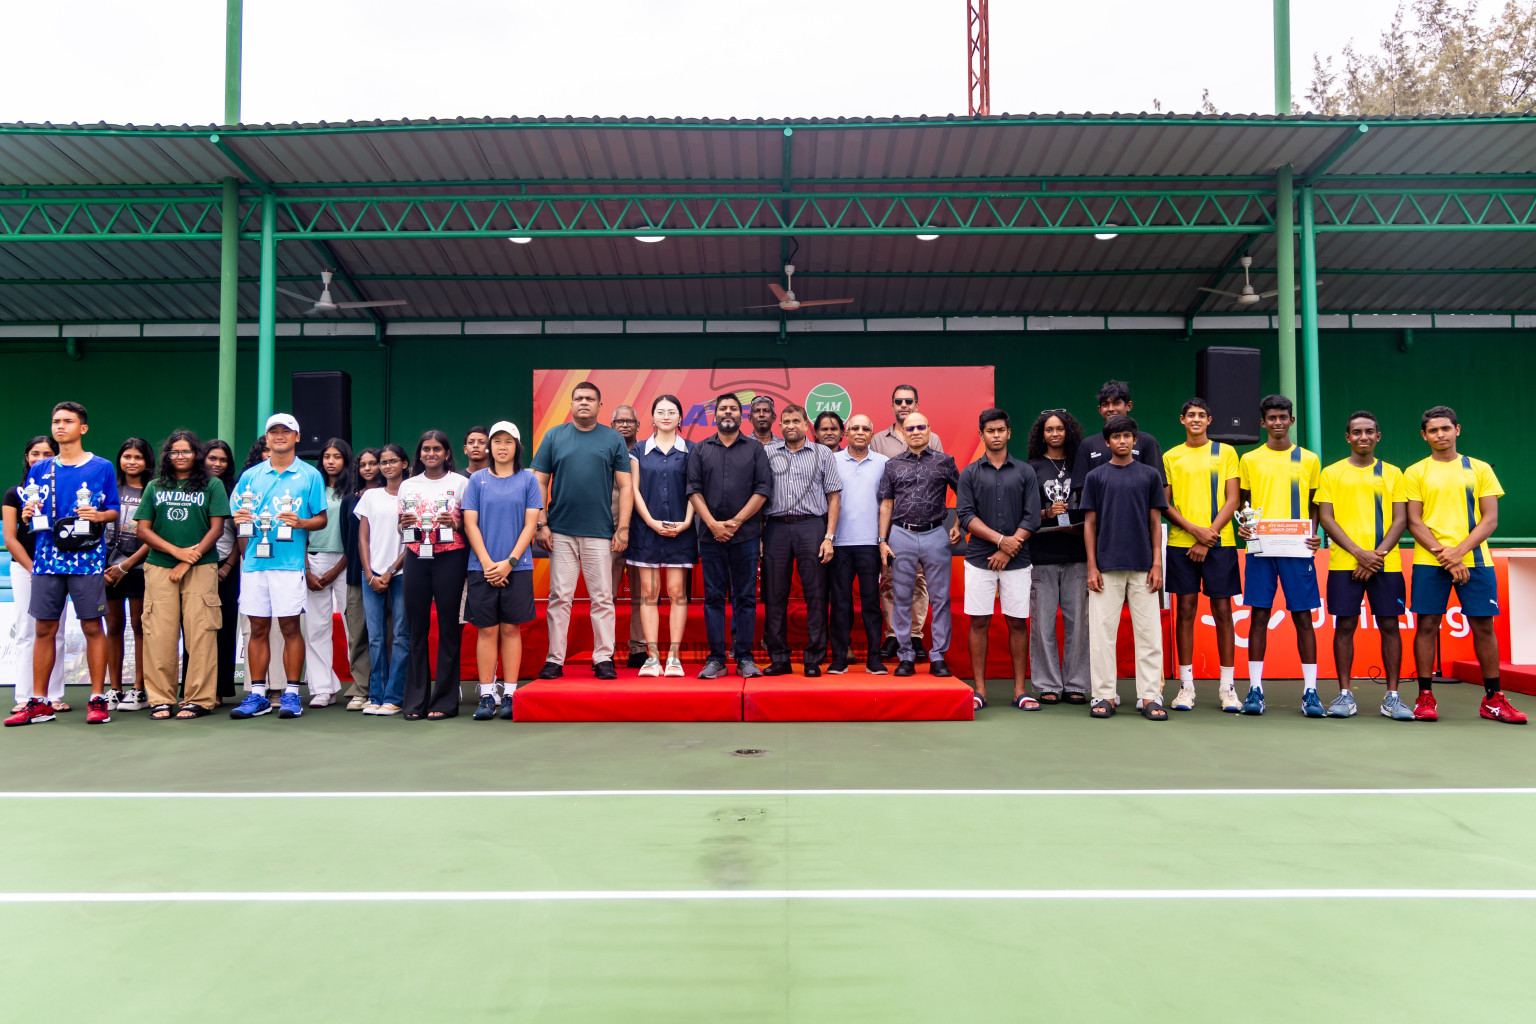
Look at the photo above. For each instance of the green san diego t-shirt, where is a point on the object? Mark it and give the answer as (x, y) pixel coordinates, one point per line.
(180, 517)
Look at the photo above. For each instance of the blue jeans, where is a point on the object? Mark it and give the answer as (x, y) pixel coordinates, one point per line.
(386, 680)
(730, 569)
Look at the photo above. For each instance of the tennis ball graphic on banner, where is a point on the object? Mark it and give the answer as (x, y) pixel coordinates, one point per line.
(828, 398)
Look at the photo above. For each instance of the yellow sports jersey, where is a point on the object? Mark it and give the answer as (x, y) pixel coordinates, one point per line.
(1362, 499)
(1198, 478)
(1451, 492)
(1279, 483)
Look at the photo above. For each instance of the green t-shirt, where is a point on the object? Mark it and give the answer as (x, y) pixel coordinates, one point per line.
(329, 538)
(181, 517)
(583, 463)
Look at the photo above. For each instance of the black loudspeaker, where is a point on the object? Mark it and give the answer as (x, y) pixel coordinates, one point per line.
(322, 403)
(1227, 378)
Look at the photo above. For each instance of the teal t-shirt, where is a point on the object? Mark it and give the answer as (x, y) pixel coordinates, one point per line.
(582, 464)
(328, 537)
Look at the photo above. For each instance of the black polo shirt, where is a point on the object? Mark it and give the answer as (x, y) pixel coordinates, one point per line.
(1002, 497)
(726, 477)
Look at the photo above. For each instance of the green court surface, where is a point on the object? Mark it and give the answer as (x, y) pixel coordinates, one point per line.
(1027, 866)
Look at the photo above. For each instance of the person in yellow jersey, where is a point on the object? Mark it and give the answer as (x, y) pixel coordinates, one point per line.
(1278, 480)
(1202, 477)
(1363, 508)
(1453, 508)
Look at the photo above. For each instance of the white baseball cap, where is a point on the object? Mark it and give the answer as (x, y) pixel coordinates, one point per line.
(505, 427)
(281, 419)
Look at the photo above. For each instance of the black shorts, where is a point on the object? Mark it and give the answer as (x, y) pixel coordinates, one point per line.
(89, 594)
(130, 586)
(1217, 575)
(489, 606)
(1386, 591)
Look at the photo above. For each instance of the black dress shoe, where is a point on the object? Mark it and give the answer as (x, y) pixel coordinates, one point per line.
(777, 668)
(812, 671)
(551, 671)
(918, 651)
(838, 667)
(889, 649)
(636, 659)
(874, 667)
(604, 670)
(905, 668)
(938, 668)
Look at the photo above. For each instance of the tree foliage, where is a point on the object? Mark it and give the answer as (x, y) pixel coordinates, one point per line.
(1436, 58)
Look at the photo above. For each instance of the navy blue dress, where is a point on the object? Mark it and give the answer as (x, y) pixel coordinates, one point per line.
(664, 486)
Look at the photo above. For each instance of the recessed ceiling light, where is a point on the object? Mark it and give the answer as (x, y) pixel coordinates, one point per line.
(926, 238)
(1106, 236)
(519, 239)
(650, 239)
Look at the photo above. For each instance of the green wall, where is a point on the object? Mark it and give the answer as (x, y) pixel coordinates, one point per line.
(149, 387)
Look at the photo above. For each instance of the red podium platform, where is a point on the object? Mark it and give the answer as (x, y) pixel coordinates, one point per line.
(1514, 678)
(856, 697)
(579, 697)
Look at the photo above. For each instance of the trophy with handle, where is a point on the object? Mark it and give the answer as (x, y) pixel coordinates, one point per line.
(264, 546)
(1058, 490)
(83, 502)
(245, 501)
(33, 495)
(444, 533)
(287, 503)
(1247, 518)
(408, 534)
(425, 507)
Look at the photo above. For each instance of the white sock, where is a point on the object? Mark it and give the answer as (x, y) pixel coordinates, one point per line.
(1391, 693)
(1256, 674)
(1309, 676)
(259, 688)
(1227, 672)
(487, 689)
(292, 688)
(1186, 675)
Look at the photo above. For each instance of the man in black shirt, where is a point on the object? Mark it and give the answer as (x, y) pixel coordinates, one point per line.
(1059, 577)
(1123, 537)
(1115, 400)
(728, 482)
(996, 503)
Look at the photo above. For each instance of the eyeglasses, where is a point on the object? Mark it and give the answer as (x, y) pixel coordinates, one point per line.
(181, 454)
(627, 423)
(391, 462)
(913, 430)
(903, 401)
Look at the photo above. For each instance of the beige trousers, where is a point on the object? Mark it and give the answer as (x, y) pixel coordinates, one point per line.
(1121, 588)
(589, 559)
(919, 602)
(174, 609)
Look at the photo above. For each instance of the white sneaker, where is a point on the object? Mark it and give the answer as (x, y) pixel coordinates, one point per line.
(1229, 701)
(132, 700)
(652, 667)
(388, 709)
(114, 697)
(355, 704)
(322, 700)
(1185, 701)
(674, 667)
(370, 708)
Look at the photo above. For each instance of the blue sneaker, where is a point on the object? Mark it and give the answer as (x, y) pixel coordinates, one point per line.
(1312, 704)
(1344, 706)
(506, 703)
(1253, 704)
(1392, 707)
(290, 706)
(254, 704)
(486, 709)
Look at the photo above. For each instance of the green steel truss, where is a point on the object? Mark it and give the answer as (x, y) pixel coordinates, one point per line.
(968, 211)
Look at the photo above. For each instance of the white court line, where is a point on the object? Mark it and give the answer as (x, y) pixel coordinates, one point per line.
(519, 794)
(740, 895)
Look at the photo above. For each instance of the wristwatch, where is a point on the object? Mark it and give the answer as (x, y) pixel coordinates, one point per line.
(829, 536)
(886, 539)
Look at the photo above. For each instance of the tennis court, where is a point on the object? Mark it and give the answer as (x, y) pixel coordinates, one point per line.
(1024, 866)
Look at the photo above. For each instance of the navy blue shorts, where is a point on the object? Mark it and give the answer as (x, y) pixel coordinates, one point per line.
(1217, 575)
(1386, 590)
(1432, 591)
(1298, 576)
(49, 592)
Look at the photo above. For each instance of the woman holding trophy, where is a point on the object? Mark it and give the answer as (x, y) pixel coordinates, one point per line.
(436, 566)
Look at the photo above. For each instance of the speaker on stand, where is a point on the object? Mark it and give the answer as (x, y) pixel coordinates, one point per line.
(1228, 379)
(322, 403)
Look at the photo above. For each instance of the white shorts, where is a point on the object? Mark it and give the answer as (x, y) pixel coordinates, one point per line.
(984, 586)
(272, 593)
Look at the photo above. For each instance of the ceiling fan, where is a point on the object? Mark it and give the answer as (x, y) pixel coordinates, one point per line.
(786, 296)
(1247, 296)
(324, 304)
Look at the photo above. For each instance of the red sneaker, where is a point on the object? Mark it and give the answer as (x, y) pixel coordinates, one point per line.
(1499, 709)
(34, 711)
(96, 710)
(1424, 709)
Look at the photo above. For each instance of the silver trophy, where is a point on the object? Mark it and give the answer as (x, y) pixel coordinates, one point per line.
(444, 533)
(245, 501)
(83, 502)
(1247, 518)
(287, 503)
(33, 495)
(424, 509)
(264, 546)
(408, 534)
(1058, 490)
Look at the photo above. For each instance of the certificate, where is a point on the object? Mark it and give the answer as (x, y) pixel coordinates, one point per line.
(1281, 538)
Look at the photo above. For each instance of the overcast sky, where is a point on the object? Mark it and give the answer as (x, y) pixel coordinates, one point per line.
(162, 60)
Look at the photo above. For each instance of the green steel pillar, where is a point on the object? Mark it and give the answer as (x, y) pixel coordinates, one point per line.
(229, 246)
(1282, 57)
(1285, 273)
(1314, 404)
(266, 343)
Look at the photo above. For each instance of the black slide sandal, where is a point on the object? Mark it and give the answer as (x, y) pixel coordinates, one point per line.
(190, 711)
(1153, 711)
(162, 712)
(1102, 709)
(1050, 698)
